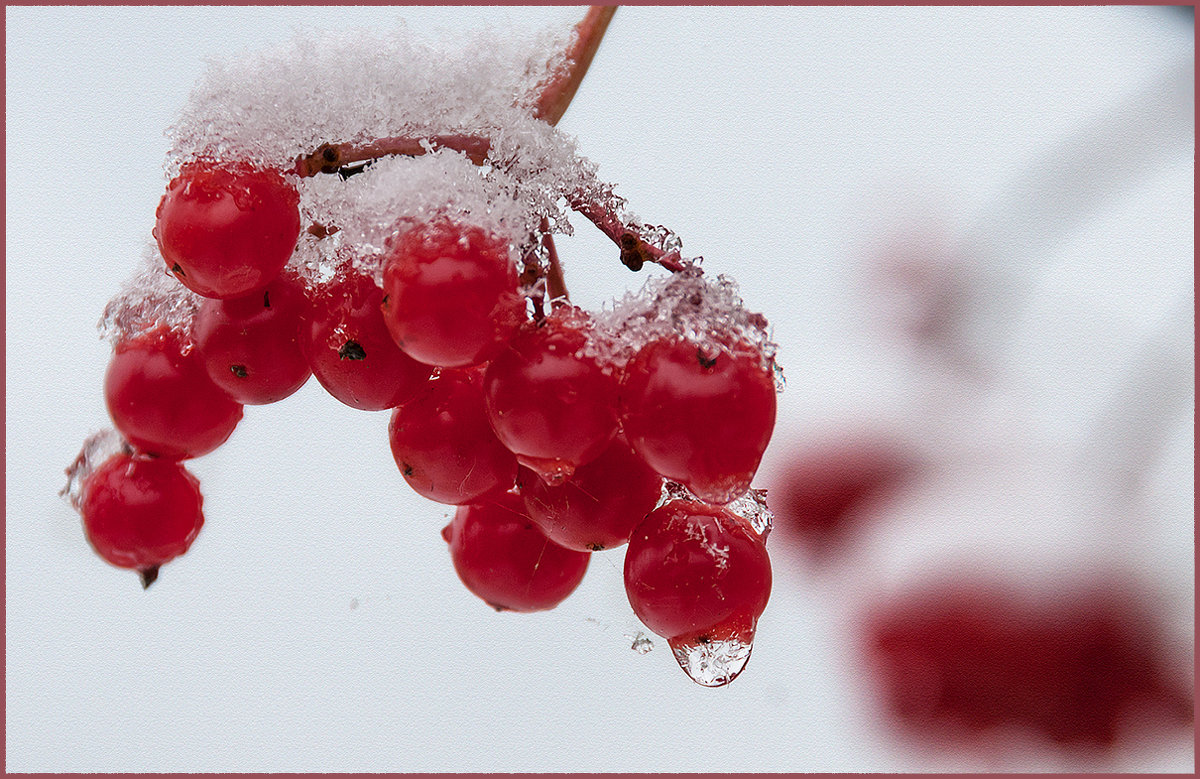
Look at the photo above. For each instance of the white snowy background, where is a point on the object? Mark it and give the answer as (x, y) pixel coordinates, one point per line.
(317, 625)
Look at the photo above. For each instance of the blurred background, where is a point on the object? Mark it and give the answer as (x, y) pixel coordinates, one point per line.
(972, 230)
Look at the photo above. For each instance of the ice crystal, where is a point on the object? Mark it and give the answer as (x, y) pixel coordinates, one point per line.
(97, 448)
(691, 305)
(151, 298)
(640, 643)
(712, 663)
(753, 508)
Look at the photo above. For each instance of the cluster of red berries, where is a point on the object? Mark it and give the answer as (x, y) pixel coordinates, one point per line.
(550, 447)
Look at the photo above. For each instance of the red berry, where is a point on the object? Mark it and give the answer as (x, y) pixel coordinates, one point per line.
(251, 344)
(502, 557)
(599, 506)
(227, 230)
(450, 293)
(965, 659)
(141, 512)
(697, 572)
(549, 402)
(699, 416)
(349, 349)
(161, 399)
(443, 444)
(817, 498)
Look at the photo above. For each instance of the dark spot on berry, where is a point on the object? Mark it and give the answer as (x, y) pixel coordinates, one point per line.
(177, 270)
(705, 362)
(703, 639)
(330, 154)
(239, 371)
(596, 547)
(406, 469)
(266, 299)
(352, 350)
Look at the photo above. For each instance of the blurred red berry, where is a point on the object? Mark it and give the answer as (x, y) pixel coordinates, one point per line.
(965, 659)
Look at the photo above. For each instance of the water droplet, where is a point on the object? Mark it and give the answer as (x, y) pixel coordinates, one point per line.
(714, 662)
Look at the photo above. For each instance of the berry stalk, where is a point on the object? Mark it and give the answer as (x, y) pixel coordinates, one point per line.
(557, 95)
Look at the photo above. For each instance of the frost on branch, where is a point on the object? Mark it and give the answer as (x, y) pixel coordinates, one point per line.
(362, 96)
(395, 193)
(356, 86)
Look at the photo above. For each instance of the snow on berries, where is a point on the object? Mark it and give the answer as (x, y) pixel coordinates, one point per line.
(379, 213)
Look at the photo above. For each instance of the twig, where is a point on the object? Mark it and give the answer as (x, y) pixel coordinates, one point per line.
(557, 94)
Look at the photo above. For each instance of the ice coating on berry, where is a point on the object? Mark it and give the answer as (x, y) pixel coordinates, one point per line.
(712, 663)
(96, 448)
(753, 508)
(688, 305)
(697, 575)
(149, 299)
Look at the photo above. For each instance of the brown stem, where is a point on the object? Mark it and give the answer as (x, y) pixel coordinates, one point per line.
(635, 252)
(557, 95)
(332, 157)
(556, 285)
